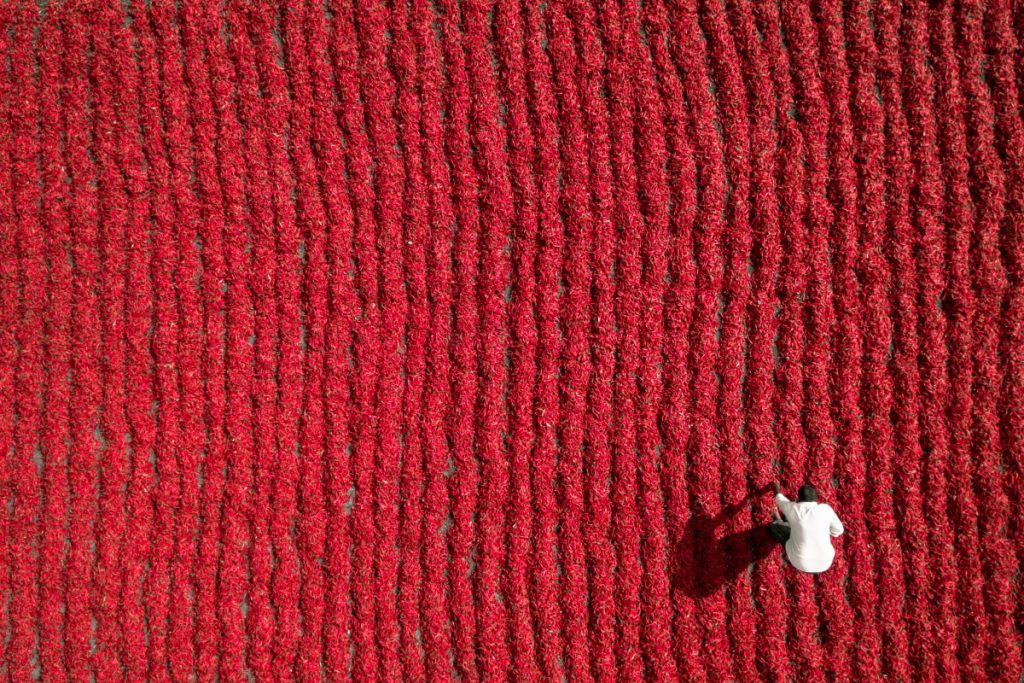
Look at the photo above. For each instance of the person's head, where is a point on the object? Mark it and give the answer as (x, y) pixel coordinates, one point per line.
(807, 494)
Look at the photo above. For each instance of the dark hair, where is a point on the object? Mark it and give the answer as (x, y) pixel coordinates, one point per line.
(807, 494)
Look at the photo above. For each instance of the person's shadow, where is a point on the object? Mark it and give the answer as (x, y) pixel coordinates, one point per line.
(705, 559)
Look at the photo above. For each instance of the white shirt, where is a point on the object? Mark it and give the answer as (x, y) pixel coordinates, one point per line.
(809, 548)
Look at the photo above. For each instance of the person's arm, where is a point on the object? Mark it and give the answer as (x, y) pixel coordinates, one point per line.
(785, 504)
(835, 527)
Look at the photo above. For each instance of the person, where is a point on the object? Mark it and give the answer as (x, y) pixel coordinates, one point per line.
(807, 528)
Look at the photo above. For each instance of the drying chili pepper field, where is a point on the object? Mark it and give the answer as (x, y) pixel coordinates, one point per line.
(400, 340)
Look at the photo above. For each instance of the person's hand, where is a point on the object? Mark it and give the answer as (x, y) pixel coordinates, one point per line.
(776, 487)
